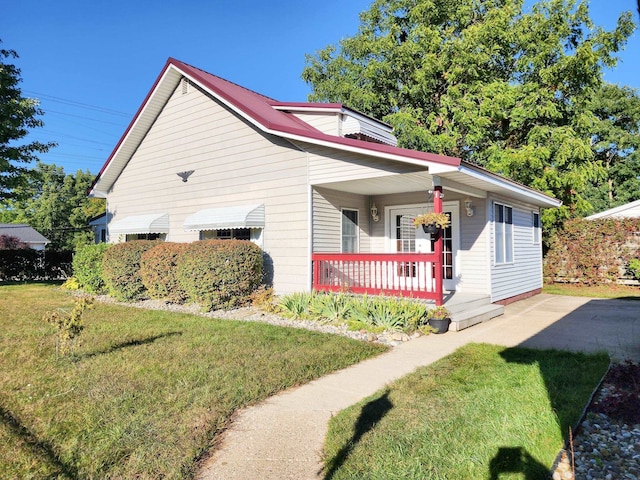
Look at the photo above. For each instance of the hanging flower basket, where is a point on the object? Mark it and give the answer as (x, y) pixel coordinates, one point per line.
(431, 219)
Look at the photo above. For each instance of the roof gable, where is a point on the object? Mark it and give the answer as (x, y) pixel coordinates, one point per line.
(257, 109)
(22, 232)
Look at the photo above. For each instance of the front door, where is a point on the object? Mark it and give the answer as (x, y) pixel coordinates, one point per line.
(405, 238)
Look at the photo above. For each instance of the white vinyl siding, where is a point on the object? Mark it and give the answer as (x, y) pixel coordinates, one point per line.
(233, 165)
(327, 220)
(327, 165)
(328, 123)
(524, 274)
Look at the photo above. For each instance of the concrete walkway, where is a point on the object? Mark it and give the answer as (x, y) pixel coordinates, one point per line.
(282, 437)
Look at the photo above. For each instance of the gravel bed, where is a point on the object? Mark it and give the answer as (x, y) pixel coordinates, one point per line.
(607, 443)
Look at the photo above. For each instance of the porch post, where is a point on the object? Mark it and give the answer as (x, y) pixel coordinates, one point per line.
(437, 208)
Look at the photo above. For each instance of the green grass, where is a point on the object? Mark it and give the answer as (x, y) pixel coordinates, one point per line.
(146, 393)
(594, 291)
(484, 412)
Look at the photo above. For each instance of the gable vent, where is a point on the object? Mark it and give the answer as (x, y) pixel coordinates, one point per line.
(185, 86)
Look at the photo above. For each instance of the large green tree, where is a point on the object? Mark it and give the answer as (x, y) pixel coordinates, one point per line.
(18, 115)
(616, 143)
(56, 205)
(486, 81)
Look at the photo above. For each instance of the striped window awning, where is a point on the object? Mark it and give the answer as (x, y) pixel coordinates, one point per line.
(222, 218)
(149, 223)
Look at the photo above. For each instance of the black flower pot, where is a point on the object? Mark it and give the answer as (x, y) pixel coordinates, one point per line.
(440, 324)
(431, 228)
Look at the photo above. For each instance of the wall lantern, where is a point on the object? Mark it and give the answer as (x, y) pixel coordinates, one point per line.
(468, 207)
(374, 212)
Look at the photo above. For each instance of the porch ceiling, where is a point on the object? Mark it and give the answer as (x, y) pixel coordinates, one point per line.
(383, 185)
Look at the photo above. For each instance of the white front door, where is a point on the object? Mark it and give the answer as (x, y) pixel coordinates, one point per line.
(403, 237)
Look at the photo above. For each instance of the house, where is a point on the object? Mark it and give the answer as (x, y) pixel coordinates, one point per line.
(98, 225)
(323, 189)
(631, 209)
(25, 234)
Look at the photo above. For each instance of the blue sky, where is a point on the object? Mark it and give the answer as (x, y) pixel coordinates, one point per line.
(91, 63)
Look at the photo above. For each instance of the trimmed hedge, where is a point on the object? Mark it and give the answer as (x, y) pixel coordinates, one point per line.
(158, 270)
(87, 267)
(28, 264)
(592, 251)
(121, 269)
(220, 273)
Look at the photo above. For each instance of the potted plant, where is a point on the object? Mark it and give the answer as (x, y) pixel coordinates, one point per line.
(439, 318)
(431, 222)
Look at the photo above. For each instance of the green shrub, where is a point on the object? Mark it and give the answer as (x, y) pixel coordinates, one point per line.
(634, 268)
(159, 272)
(87, 267)
(220, 273)
(121, 269)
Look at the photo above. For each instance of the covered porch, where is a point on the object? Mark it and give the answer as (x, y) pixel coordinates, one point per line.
(364, 240)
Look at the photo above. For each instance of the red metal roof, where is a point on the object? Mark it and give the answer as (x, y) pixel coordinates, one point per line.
(261, 110)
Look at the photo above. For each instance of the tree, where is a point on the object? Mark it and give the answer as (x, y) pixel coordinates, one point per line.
(18, 114)
(616, 143)
(56, 204)
(484, 81)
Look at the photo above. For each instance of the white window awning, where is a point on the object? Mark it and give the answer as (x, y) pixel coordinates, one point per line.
(221, 218)
(150, 223)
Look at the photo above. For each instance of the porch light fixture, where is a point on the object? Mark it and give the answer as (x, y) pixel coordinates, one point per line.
(374, 212)
(468, 207)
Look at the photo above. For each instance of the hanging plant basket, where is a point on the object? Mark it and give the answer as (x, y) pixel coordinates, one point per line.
(431, 228)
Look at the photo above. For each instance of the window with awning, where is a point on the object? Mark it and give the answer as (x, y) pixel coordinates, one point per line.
(225, 218)
(141, 224)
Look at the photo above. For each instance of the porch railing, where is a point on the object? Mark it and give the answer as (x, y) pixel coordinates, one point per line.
(398, 274)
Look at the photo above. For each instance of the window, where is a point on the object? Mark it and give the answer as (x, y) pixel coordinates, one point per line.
(349, 231)
(145, 236)
(536, 227)
(226, 234)
(503, 228)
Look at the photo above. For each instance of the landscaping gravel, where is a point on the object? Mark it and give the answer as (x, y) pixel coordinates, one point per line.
(607, 442)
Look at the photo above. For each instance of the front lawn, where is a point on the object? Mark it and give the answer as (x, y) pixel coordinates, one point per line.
(484, 412)
(625, 292)
(146, 393)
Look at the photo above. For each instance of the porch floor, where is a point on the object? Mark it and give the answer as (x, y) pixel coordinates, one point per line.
(470, 309)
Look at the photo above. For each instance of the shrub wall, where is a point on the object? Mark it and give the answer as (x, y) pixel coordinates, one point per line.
(159, 273)
(220, 273)
(121, 269)
(28, 264)
(87, 267)
(592, 251)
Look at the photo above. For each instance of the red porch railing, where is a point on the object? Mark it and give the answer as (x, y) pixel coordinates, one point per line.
(397, 274)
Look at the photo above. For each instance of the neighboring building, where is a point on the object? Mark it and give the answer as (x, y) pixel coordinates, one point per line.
(322, 188)
(98, 225)
(631, 209)
(25, 234)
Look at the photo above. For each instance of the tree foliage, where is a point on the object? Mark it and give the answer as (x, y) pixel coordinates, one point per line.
(18, 115)
(616, 145)
(488, 82)
(56, 205)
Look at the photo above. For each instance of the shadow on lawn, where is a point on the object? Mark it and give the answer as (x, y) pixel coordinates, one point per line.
(130, 343)
(517, 460)
(371, 413)
(40, 448)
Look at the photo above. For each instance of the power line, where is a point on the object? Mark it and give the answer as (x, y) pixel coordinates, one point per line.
(85, 118)
(79, 104)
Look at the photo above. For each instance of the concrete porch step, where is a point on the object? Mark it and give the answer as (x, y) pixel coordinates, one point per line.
(472, 316)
